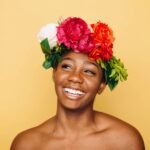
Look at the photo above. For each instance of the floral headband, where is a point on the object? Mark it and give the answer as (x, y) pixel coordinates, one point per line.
(75, 35)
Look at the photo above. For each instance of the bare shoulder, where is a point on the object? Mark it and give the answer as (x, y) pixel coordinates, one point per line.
(25, 140)
(120, 133)
(32, 138)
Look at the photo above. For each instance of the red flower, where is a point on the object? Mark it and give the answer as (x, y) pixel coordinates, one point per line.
(104, 52)
(75, 34)
(103, 40)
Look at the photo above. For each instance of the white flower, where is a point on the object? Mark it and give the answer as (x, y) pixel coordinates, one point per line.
(49, 31)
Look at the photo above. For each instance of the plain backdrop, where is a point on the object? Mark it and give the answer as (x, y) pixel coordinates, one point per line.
(27, 96)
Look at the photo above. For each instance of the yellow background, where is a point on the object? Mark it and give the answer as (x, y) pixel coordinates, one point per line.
(27, 96)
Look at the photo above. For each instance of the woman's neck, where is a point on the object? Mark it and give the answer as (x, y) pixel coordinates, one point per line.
(75, 122)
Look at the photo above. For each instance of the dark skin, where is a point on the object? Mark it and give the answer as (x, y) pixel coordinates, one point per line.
(76, 126)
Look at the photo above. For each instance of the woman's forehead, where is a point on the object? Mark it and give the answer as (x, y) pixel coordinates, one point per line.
(79, 58)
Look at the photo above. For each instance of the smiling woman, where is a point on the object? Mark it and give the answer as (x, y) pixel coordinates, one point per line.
(83, 64)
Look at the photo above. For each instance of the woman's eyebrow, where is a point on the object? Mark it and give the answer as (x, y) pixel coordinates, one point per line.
(67, 58)
(92, 63)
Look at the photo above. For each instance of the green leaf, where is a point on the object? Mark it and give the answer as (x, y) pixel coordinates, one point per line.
(112, 84)
(113, 72)
(103, 65)
(45, 46)
(47, 64)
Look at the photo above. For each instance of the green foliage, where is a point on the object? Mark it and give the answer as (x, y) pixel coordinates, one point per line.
(114, 72)
(52, 55)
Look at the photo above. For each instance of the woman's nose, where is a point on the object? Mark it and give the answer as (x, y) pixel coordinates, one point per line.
(75, 77)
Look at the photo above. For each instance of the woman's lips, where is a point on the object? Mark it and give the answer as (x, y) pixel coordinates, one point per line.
(73, 93)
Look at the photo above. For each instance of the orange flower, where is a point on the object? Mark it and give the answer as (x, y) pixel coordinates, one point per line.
(103, 40)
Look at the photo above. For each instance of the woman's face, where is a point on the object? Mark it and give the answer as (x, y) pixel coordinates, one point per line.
(77, 81)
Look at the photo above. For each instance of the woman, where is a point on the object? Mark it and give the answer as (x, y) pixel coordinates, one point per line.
(83, 64)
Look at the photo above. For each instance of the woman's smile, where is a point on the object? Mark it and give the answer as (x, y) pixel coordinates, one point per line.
(73, 94)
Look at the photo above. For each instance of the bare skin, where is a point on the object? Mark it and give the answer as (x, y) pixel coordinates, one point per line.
(76, 126)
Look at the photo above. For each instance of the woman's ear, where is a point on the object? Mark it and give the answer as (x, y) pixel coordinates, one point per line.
(101, 87)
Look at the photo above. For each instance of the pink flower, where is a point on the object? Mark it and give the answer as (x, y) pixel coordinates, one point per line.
(75, 34)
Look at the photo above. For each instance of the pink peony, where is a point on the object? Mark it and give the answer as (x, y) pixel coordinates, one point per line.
(75, 34)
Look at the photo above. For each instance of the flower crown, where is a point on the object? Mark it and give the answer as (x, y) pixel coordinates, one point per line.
(73, 34)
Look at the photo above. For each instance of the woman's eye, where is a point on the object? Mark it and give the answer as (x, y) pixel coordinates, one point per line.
(66, 66)
(90, 72)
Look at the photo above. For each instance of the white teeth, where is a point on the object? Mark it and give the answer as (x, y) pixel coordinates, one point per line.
(73, 91)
